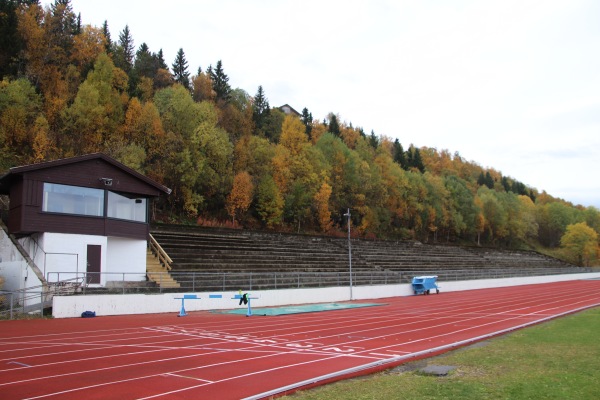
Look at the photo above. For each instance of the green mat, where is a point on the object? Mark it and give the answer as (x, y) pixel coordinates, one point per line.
(298, 309)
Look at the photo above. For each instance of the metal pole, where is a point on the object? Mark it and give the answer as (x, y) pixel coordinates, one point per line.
(349, 252)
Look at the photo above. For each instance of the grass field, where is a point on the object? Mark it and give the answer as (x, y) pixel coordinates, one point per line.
(559, 359)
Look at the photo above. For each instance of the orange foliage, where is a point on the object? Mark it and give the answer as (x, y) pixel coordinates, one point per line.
(322, 204)
(240, 197)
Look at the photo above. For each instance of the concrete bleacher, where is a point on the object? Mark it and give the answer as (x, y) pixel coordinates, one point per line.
(205, 256)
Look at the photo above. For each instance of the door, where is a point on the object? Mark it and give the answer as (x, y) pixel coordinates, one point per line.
(94, 257)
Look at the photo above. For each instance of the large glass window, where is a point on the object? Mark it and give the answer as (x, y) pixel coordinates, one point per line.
(121, 207)
(73, 200)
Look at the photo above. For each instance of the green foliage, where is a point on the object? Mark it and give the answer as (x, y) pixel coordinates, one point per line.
(20, 106)
(269, 202)
(178, 111)
(96, 112)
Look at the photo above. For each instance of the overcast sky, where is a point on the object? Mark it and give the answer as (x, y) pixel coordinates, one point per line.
(513, 85)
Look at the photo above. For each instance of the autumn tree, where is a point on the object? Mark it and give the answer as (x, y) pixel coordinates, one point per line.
(269, 202)
(47, 42)
(273, 125)
(581, 244)
(202, 87)
(322, 207)
(97, 110)
(43, 147)
(236, 116)
(87, 46)
(553, 219)
(20, 105)
(240, 197)
(254, 154)
(213, 151)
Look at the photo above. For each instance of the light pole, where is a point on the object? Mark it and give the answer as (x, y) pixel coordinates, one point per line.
(349, 251)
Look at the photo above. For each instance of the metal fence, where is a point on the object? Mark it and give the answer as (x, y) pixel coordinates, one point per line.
(35, 300)
(26, 301)
(195, 281)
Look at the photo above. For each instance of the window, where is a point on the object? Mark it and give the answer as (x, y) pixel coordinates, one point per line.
(73, 200)
(77, 200)
(121, 207)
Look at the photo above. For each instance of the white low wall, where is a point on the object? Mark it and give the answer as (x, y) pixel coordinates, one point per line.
(73, 306)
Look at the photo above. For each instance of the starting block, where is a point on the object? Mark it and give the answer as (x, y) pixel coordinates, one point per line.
(185, 297)
(239, 296)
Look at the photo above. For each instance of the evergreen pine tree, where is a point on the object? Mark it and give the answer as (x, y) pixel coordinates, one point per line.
(108, 46)
(334, 126)
(61, 27)
(481, 179)
(180, 70)
(489, 181)
(260, 111)
(220, 82)
(78, 24)
(160, 60)
(410, 163)
(373, 140)
(398, 154)
(144, 64)
(124, 52)
(418, 161)
(307, 120)
(10, 42)
(506, 184)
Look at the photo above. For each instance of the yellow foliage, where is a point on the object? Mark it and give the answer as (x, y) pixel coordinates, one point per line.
(240, 198)
(322, 204)
(293, 136)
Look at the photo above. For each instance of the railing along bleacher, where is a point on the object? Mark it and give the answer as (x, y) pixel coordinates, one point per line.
(195, 281)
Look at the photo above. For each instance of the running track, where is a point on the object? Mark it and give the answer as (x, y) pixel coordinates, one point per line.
(225, 356)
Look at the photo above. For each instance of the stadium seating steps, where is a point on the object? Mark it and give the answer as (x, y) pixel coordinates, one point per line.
(213, 250)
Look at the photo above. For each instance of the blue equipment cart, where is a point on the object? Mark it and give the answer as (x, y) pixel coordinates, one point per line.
(423, 284)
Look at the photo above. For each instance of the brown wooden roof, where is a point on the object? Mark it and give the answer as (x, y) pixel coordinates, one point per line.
(7, 179)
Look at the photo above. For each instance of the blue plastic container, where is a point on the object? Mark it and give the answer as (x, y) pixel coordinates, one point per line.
(424, 284)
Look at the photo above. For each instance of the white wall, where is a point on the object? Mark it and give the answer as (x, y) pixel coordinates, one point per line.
(73, 306)
(66, 253)
(126, 255)
(63, 253)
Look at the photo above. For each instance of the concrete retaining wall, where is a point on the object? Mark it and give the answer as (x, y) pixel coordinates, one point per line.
(73, 306)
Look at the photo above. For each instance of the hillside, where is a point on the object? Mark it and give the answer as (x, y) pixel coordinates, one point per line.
(230, 158)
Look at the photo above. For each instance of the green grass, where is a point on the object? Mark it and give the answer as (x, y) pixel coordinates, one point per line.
(559, 359)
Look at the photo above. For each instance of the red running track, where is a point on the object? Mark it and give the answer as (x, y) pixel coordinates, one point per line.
(227, 356)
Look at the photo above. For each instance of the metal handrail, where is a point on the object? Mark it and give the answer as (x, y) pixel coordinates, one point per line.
(203, 280)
